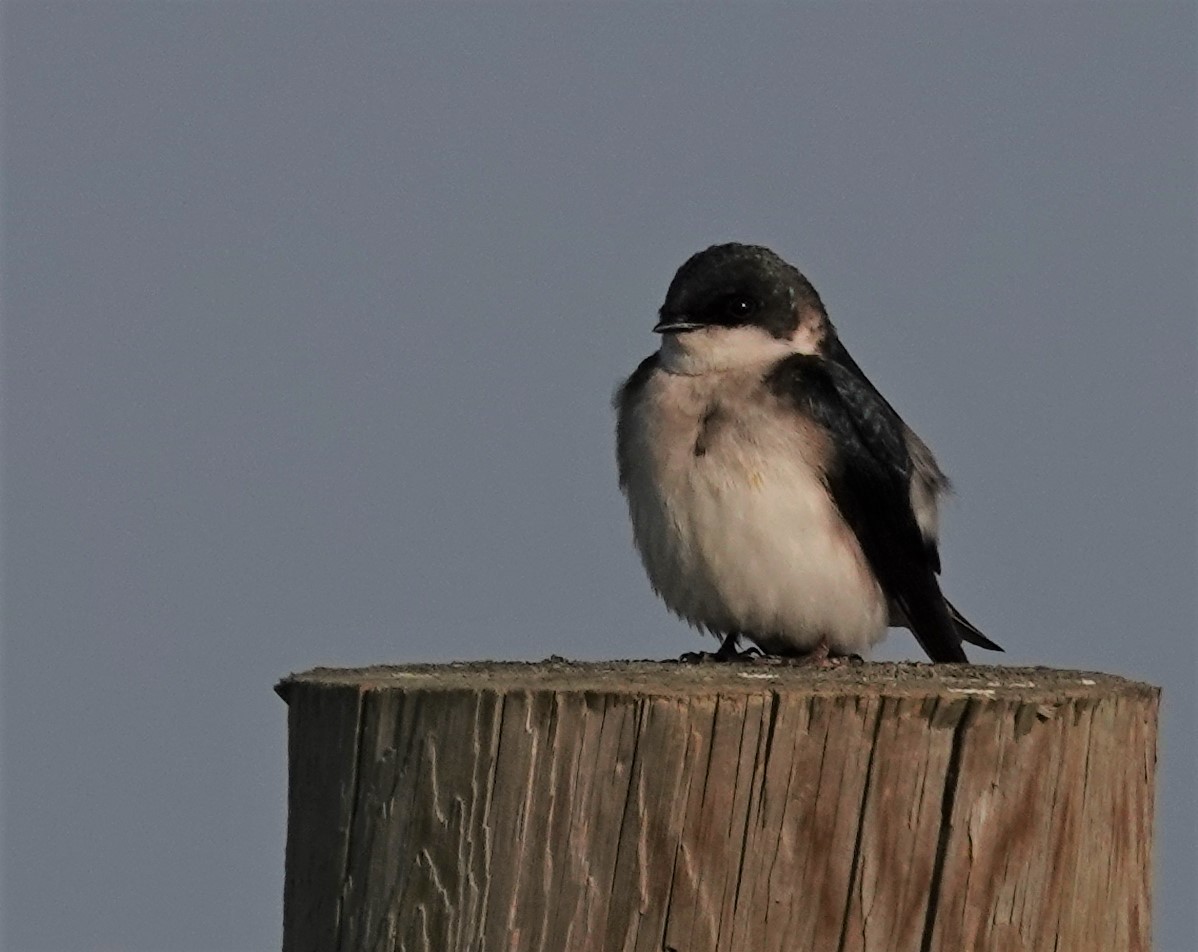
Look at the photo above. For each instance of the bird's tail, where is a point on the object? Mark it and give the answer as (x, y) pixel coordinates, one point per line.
(967, 631)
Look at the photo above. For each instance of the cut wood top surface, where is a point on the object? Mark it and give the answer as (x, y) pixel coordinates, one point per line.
(872, 679)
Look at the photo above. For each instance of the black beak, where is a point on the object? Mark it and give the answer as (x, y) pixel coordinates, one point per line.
(675, 325)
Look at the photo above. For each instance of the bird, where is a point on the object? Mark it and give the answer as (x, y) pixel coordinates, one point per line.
(775, 495)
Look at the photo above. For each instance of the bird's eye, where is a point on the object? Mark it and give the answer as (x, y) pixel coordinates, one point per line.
(739, 306)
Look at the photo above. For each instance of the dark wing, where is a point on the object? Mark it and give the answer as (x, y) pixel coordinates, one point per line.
(869, 478)
(926, 471)
(623, 399)
(836, 352)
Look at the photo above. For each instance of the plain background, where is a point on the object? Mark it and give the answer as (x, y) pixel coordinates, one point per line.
(312, 315)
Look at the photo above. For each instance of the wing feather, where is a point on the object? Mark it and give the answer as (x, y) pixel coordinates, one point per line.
(869, 479)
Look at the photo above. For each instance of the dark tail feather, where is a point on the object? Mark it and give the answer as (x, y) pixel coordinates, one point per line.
(930, 620)
(967, 631)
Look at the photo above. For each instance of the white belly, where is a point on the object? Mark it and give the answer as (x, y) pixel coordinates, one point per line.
(743, 537)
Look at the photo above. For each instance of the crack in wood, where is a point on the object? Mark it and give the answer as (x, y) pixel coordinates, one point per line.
(354, 797)
(951, 777)
(860, 832)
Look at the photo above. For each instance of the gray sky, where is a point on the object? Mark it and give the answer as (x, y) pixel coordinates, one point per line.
(312, 315)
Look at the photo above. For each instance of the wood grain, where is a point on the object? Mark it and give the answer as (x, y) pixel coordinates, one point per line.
(647, 806)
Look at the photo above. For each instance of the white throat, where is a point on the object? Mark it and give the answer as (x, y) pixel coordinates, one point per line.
(712, 349)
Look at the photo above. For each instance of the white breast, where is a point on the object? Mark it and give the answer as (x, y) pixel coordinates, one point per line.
(740, 534)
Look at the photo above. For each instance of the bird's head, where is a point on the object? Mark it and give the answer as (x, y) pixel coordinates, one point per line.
(734, 305)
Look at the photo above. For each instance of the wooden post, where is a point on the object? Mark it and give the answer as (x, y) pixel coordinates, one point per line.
(739, 807)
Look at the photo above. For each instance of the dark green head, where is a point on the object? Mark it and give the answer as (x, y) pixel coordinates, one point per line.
(736, 285)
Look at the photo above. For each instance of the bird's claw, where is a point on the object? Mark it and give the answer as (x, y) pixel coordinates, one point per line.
(811, 660)
(750, 654)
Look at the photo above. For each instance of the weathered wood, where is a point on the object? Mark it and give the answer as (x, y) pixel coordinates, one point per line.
(739, 807)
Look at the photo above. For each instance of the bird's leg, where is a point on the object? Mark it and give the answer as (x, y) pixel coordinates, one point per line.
(729, 650)
(819, 654)
(818, 657)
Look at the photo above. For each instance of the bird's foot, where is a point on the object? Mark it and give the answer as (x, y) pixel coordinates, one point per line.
(728, 650)
(719, 657)
(810, 661)
(818, 657)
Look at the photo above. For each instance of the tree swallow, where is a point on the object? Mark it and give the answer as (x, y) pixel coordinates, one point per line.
(775, 495)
